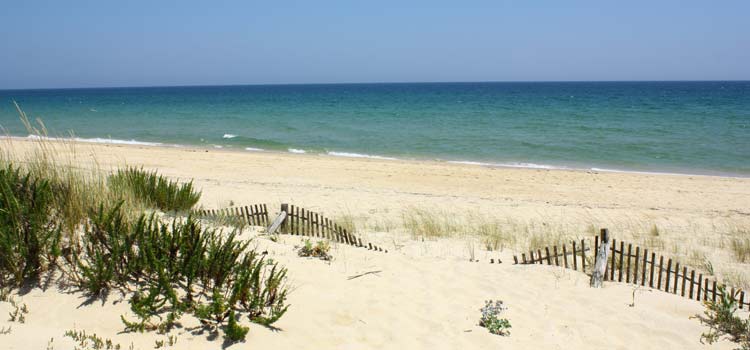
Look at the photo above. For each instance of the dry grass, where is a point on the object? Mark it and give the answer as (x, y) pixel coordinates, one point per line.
(422, 223)
(739, 243)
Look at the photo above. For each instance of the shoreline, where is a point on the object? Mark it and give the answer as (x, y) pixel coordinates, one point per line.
(353, 155)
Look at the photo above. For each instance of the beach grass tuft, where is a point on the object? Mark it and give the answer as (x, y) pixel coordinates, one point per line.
(156, 190)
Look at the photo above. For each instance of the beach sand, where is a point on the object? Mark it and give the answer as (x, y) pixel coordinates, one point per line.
(427, 294)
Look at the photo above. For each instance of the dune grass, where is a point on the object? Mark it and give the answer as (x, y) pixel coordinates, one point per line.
(155, 190)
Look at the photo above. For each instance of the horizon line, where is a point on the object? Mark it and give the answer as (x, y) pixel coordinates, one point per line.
(373, 83)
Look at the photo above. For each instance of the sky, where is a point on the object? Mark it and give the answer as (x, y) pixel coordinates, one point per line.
(60, 44)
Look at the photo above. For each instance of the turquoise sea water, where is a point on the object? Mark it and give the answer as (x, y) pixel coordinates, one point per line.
(680, 127)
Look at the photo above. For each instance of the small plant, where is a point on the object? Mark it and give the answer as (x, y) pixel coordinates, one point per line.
(91, 341)
(19, 312)
(319, 250)
(720, 317)
(708, 267)
(491, 320)
(234, 331)
(4, 331)
(654, 231)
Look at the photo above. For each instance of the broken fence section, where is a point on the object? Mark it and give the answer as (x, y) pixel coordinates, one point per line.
(633, 264)
(303, 222)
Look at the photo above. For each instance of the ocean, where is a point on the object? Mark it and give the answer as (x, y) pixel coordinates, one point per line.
(671, 127)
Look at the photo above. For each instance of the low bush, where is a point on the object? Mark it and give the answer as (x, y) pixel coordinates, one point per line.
(29, 230)
(491, 320)
(720, 316)
(319, 250)
(178, 268)
(156, 189)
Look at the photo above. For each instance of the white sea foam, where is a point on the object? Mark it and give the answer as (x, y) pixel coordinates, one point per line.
(96, 140)
(229, 136)
(218, 146)
(254, 149)
(510, 165)
(295, 150)
(357, 155)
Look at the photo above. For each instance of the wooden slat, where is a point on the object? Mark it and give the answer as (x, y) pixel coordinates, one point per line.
(713, 298)
(627, 270)
(583, 255)
(684, 277)
(276, 223)
(557, 260)
(293, 220)
(251, 216)
(299, 223)
(661, 267)
(643, 273)
(742, 299)
(637, 260)
(575, 257)
(692, 284)
(669, 270)
(700, 281)
(705, 290)
(676, 277)
(539, 254)
(612, 268)
(314, 220)
(565, 256)
(622, 255)
(523, 258)
(549, 259)
(596, 251)
(600, 264)
(653, 262)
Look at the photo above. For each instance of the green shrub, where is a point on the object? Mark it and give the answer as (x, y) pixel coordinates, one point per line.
(491, 320)
(721, 319)
(29, 233)
(319, 250)
(156, 190)
(234, 331)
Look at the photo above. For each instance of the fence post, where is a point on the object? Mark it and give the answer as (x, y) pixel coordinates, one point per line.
(284, 209)
(600, 264)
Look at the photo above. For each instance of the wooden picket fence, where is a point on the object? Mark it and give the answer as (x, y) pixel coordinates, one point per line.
(577, 254)
(252, 215)
(298, 221)
(635, 265)
(303, 222)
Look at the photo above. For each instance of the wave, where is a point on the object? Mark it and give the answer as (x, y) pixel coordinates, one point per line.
(229, 136)
(510, 165)
(253, 149)
(96, 140)
(357, 155)
(295, 150)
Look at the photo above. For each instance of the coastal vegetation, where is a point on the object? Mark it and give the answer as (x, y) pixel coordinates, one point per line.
(97, 234)
(722, 319)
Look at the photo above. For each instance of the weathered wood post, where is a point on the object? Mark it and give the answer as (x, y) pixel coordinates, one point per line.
(284, 226)
(600, 265)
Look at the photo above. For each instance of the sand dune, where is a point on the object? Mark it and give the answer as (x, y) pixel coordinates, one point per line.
(426, 294)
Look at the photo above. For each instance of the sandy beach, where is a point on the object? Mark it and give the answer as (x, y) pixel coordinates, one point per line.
(425, 293)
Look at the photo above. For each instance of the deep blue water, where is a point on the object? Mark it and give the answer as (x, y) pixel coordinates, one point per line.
(684, 127)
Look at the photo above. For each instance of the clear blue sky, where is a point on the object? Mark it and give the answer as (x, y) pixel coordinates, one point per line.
(144, 43)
